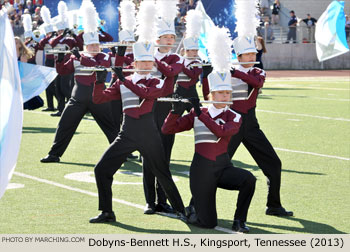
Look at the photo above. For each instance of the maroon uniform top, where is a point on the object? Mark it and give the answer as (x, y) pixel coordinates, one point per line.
(145, 87)
(46, 41)
(117, 60)
(205, 88)
(192, 72)
(86, 60)
(255, 78)
(70, 42)
(223, 123)
(128, 58)
(169, 64)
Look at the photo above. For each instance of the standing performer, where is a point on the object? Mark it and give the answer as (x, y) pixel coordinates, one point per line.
(139, 132)
(187, 89)
(252, 79)
(211, 166)
(81, 100)
(64, 83)
(169, 65)
(28, 36)
(49, 58)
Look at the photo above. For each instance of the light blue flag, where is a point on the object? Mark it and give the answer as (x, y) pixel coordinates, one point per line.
(11, 105)
(207, 24)
(330, 32)
(35, 79)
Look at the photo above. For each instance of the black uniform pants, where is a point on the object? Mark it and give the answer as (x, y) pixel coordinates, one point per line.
(142, 135)
(263, 153)
(63, 90)
(77, 106)
(207, 175)
(50, 90)
(186, 93)
(149, 182)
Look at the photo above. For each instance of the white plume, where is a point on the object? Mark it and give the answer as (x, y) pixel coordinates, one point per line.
(27, 22)
(62, 11)
(146, 21)
(90, 22)
(45, 14)
(127, 15)
(193, 23)
(167, 9)
(220, 49)
(246, 13)
(73, 18)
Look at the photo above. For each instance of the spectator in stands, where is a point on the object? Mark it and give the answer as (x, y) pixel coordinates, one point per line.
(30, 6)
(275, 12)
(310, 24)
(264, 6)
(267, 33)
(292, 24)
(179, 24)
(260, 47)
(18, 29)
(347, 27)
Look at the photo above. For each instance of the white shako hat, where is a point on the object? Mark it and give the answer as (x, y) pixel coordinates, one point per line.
(246, 15)
(127, 36)
(220, 54)
(62, 19)
(167, 11)
(127, 21)
(90, 24)
(46, 15)
(193, 26)
(143, 51)
(27, 25)
(244, 44)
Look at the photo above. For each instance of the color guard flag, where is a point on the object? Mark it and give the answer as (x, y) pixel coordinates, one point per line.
(330, 32)
(11, 104)
(35, 79)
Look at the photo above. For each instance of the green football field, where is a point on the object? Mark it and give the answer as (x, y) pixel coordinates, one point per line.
(307, 120)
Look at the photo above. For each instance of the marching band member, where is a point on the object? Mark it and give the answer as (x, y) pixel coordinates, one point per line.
(81, 100)
(64, 83)
(28, 36)
(187, 89)
(169, 65)
(137, 93)
(44, 44)
(251, 79)
(211, 167)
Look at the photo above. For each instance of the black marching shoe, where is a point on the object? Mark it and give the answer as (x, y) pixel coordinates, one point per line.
(239, 226)
(183, 216)
(149, 209)
(278, 211)
(131, 156)
(50, 159)
(103, 218)
(56, 114)
(49, 109)
(164, 208)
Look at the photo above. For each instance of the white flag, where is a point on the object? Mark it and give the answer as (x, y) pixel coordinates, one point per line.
(11, 105)
(330, 32)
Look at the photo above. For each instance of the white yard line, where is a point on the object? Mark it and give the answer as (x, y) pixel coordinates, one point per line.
(305, 115)
(225, 230)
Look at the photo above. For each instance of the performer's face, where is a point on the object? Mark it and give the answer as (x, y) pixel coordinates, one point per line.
(247, 57)
(144, 65)
(221, 96)
(93, 49)
(167, 39)
(191, 53)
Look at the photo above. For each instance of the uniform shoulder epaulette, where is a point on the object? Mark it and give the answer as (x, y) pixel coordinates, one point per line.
(237, 115)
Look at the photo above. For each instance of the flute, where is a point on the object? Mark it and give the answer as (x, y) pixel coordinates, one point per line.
(168, 99)
(232, 63)
(109, 69)
(114, 44)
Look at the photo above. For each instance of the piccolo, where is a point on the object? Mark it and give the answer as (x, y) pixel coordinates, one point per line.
(109, 69)
(168, 99)
(114, 44)
(192, 58)
(64, 51)
(232, 63)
